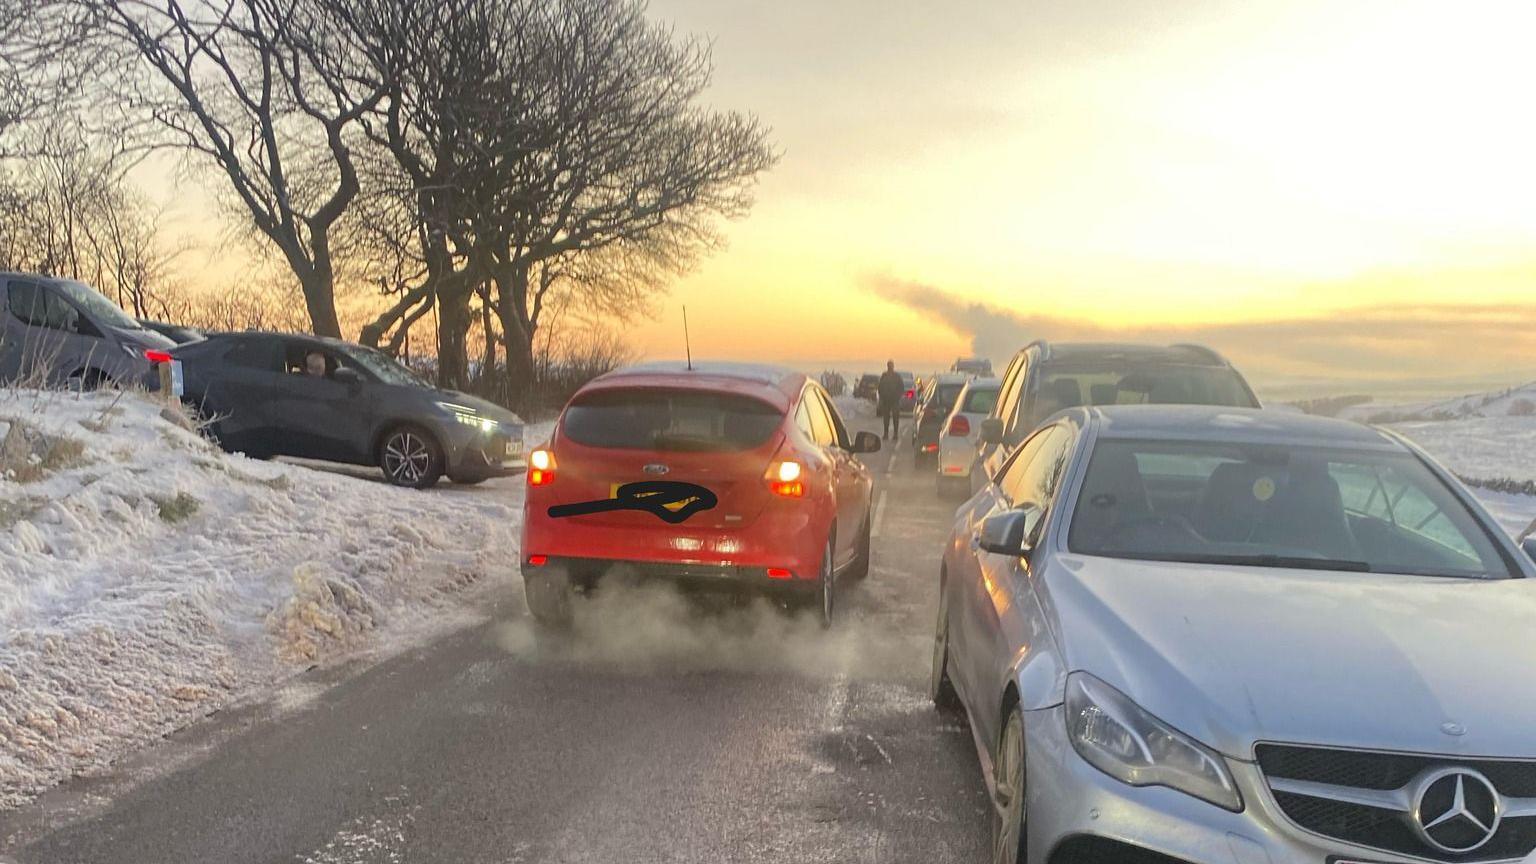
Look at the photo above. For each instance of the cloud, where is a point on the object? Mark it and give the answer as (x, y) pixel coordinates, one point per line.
(1382, 343)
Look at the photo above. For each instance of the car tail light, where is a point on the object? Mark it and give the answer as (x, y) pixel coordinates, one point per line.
(911, 393)
(959, 426)
(930, 448)
(154, 356)
(541, 467)
(784, 479)
(538, 560)
(779, 573)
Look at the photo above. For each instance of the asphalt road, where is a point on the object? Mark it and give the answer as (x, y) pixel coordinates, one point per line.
(659, 731)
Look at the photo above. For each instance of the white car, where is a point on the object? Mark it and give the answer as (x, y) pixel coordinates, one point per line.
(958, 437)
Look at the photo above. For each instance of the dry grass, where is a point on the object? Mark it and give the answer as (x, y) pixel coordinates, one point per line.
(177, 508)
(28, 455)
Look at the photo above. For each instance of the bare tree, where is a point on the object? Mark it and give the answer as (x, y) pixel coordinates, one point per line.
(250, 89)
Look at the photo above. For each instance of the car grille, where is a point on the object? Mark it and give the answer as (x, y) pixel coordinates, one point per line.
(1390, 829)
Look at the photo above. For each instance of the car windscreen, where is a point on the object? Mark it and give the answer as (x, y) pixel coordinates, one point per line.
(1066, 385)
(669, 420)
(96, 305)
(1278, 506)
(980, 400)
(382, 366)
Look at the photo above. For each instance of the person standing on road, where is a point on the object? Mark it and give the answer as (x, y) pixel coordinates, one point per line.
(890, 391)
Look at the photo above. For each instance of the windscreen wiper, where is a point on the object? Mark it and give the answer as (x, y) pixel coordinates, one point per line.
(1300, 562)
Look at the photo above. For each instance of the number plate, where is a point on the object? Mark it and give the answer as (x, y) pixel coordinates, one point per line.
(513, 448)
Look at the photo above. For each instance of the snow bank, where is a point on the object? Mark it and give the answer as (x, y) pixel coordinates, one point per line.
(147, 578)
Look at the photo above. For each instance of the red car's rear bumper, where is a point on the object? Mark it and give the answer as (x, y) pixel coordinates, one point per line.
(783, 538)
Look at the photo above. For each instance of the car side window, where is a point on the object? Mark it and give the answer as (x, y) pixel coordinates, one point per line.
(28, 304)
(253, 354)
(803, 418)
(839, 431)
(1009, 394)
(821, 424)
(1030, 477)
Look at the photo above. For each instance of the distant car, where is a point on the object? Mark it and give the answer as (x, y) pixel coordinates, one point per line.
(973, 366)
(1205, 634)
(1045, 378)
(957, 439)
(868, 387)
(59, 332)
(909, 392)
(365, 409)
(174, 332)
(783, 505)
(932, 410)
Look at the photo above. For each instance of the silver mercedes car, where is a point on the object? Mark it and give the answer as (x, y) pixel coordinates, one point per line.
(1231, 636)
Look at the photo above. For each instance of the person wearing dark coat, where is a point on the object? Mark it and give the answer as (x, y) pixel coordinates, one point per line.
(890, 390)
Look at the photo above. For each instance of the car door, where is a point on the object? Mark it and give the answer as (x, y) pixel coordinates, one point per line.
(824, 433)
(316, 416)
(987, 584)
(234, 388)
(853, 480)
(1030, 481)
(48, 345)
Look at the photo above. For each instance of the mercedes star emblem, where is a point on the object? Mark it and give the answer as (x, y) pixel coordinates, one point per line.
(1456, 810)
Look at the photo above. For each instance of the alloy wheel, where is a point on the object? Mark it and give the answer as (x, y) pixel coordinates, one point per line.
(407, 458)
(1008, 821)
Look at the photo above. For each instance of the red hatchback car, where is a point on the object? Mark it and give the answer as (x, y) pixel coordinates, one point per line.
(722, 475)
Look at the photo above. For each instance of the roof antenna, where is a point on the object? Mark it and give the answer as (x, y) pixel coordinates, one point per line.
(687, 347)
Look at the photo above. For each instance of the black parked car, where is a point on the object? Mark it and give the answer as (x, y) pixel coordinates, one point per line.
(174, 332)
(938, 399)
(270, 394)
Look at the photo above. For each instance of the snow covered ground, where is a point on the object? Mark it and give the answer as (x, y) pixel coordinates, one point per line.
(147, 578)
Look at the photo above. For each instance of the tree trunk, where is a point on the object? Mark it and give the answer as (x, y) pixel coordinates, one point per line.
(452, 325)
(517, 330)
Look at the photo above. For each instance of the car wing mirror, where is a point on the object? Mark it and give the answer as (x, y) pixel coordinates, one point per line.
(1529, 545)
(865, 442)
(1010, 532)
(992, 431)
(348, 377)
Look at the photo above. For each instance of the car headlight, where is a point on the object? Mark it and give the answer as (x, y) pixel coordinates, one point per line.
(1118, 737)
(466, 415)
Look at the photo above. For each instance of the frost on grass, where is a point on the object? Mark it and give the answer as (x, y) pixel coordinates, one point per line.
(147, 578)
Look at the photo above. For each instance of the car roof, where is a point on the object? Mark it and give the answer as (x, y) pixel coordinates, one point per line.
(268, 334)
(775, 385)
(1239, 425)
(1128, 351)
(951, 378)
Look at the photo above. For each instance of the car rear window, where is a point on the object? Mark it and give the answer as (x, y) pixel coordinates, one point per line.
(669, 420)
(980, 401)
(945, 398)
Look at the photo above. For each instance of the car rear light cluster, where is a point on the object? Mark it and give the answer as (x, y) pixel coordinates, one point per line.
(779, 573)
(911, 394)
(155, 356)
(538, 560)
(959, 426)
(784, 479)
(541, 467)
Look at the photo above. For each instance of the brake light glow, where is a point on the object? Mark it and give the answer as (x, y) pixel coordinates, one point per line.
(154, 356)
(538, 560)
(959, 426)
(930, 448)
(541, 468)
(779, 573)
(784, 479)
(911, 393)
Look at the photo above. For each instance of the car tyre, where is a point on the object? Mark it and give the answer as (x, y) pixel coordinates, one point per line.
(548, 595)
(860, 566)
(410, 457)
(1008, 819)
(940, 688)
(828, 595)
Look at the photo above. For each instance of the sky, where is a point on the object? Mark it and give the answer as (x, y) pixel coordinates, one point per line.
(1318, 188)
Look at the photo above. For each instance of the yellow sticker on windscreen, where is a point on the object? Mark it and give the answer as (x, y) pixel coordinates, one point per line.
(1264, 488)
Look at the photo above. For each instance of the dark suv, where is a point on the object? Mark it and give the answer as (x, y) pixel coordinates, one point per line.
(1045, 378)
(272, 394)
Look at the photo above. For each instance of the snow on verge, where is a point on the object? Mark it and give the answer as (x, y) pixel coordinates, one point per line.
(148, 578)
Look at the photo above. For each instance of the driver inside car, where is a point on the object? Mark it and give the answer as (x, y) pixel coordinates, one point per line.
(314, 364)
